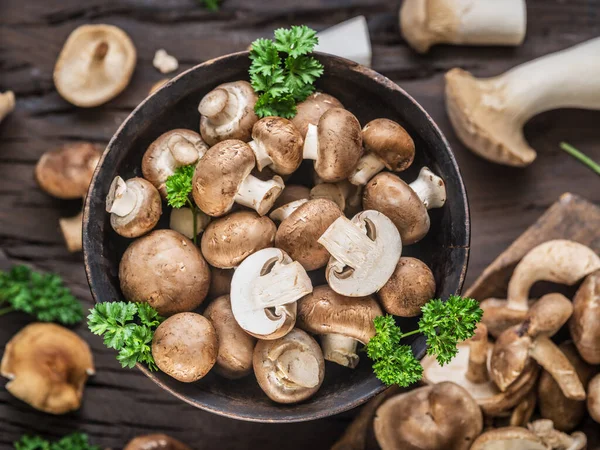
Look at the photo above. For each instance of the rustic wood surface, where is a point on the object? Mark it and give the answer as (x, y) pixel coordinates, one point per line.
(120, 404)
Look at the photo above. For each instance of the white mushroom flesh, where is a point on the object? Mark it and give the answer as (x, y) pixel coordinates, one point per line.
(295, 366)
(258, 194)
(121, 199)
(340, 349)
(260, 152)
(368, 166)
(225, 107)
(430, 188)
(164, 62)
(182, 221)
(311, 143)
(283, 212)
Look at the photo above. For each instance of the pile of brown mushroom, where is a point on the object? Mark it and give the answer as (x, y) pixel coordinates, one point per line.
(262, 238)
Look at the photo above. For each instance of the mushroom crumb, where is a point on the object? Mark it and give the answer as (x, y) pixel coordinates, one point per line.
(164, 62)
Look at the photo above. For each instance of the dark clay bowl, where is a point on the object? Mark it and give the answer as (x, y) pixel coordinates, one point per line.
(368, 95)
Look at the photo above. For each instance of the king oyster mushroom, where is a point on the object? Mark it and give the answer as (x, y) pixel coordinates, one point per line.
(227, 241)
(276, 144)
(264, 291)
(47, 366)
(442, 416)
(310, 110)
(166, 270)
(406, 204)
(155, 442)
(335, 144)
(559, 261)
(222, 178)
(299, 232)
(584, 324)
(289, 369)
(94, 65)
(134, 206)
(171, 150)
(227, 112)
(364, 253)
(388, 145)
(342, 322)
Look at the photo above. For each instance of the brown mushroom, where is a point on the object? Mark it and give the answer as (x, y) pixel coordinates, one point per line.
(556, 440)
(388, 145)
(168, 152)
(593, 401)
(227, 241)
(289, 369)
(7, 104)
(508, 438)
(522, 413)
(310, 110)
(234, 359)
(227, 112)
(406, 204)
(343, 193)
(166, 270)
(335, 144)
(342, 322)
(564, 412)
(134, 206)
(411, 286)
(47, 366)
(584, 324)
(277, 144)
(220, 282)
(291, 193)
(222, 178)
(94, 65)
(299, 232)
(185, 346)
(443, 416)
(155, 442)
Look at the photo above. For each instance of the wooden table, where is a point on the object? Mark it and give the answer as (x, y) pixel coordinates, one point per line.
(120, 404)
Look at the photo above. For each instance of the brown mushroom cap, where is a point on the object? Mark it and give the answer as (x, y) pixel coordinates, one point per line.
(289, 369)
(281, 141)
(227, 241)
(291, 193)
(297, 235)
(185, 346)
(235, 345)
(47, 366)
(498, 317)
(508, 438)
(593, 401)
(390, 142)
(392, 197)
(166, 270)
(66, 172)
(324, 311)
(219, 174)
(156, 442)
(227, 112)
(311, 110)
(443, 416)
(510, 357)
(340, 145)
(584, 324)
(145, 214)
(94, 65)
(410, 287)
(175, 148)
(220, 282)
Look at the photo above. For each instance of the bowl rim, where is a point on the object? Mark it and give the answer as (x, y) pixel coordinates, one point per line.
(289, 417)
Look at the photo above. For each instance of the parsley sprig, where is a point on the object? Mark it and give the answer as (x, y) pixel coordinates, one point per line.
(44, 296)
(444, 324)
(116, 321)
(179, 188)
(282, 72)
(74, 441)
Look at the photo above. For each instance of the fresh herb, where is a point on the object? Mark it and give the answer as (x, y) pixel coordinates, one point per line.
(211, 5)
(44, 296)
(582, 157)
(116, 321)
(444, 324)
(179, 188)
(282, 72)
(75, 441)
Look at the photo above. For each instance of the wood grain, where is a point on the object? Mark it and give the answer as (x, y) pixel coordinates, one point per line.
(504, 201)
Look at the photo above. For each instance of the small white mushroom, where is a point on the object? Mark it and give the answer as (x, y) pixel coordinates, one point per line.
(264, 291)
(364, 253)
(7, 103)
(488, 115)
(164, 62)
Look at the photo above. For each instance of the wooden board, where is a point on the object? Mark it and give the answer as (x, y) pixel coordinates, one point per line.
(120, 404)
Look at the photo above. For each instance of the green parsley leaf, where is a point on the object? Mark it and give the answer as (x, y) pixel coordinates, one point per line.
(44, 296)
(75, 441)
(211, 5)
(179, 186)
(296, 41)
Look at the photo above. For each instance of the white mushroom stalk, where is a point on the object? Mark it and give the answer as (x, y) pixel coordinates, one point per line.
(258, 194)
(311, 143)
(430, 188)
(264, 291)
(120, 199)
(364, 253)
(368, 166)
(283, 212)
(182, 221)
(7, 103)
(260, 152)
(463, 22)
(340, 349)
(488, 115)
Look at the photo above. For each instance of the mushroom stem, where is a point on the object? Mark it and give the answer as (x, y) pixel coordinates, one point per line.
(182, 220)
(348, 243)
(368, 166)
(554, 361)
(260, 152)
(72, 229)
(340, 349)
(297, 366)
(120, 200)
(219, 105)
(7, 103)
(430, 188)
(311, 143)
(283, 212)
(258, 194)
(183, 151)
(283, 284)
(477, 370)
